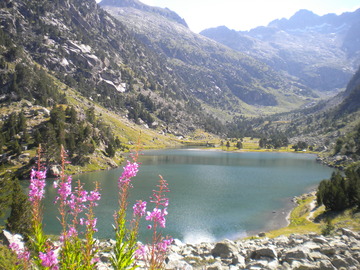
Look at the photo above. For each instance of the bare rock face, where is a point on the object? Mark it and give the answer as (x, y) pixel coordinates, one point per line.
(10, 239)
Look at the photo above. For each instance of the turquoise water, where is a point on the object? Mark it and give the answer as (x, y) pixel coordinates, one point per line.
(214, 195)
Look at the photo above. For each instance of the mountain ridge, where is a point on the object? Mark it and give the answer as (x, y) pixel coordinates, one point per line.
(322, 52)
(143, 66)
(139, 5)
(188, 50)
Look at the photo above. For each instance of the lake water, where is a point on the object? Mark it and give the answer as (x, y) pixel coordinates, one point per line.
(214, 195)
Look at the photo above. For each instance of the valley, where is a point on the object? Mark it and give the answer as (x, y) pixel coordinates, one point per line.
(102, 79)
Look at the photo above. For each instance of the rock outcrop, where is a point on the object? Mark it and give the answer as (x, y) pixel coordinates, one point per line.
(312, 251)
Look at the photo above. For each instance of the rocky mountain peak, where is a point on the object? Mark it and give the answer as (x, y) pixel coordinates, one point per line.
(122, 3)
(301, 19)
(167, 13)
(321, 51)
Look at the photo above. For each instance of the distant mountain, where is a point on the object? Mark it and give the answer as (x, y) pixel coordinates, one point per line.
(351, 102)
(141, 68)
(220, 77)
(331, 126)
(321, 51)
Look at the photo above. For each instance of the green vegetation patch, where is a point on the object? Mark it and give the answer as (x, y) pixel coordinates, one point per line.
(7, 258)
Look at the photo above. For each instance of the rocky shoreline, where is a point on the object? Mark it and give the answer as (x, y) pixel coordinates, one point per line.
(302, 252)
(310, 251)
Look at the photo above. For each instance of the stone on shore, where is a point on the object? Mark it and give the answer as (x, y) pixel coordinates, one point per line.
(338, 251)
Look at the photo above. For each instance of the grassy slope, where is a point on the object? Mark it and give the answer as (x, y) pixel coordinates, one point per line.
(307, 218)
(128, 132)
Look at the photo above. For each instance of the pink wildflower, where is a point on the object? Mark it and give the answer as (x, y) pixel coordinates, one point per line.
(130, 171)
(94, 196)
(37, 185)
(141, 252)
(163, 246)
(82, 221)
(89, 222)
(37, 174)
(22, 253)
(64, 189)
(92, 224)
(72, 232)
(95, 260)
(49, 259)
(83, 196)
(157, 216)
(139, 208)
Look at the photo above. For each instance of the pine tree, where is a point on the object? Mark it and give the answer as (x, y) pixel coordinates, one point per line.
(239, 145)
(5, 194)
(19, 220)
(37, 137)
(72, 114)
(21, 122)
(16, 147)
(333, 193)
(110, 150)
(2, 143)
(353, 176)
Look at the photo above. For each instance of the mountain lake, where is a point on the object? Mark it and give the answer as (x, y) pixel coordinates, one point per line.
(213, 194)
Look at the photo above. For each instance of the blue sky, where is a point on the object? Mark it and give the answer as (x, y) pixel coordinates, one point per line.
(247, 14)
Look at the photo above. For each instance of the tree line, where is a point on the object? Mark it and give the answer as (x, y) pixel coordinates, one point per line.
(341, 191)
(80, 135)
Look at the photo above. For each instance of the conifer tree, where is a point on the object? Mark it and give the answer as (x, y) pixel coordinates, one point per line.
(353, 176)
(5, 194)
(19, 220)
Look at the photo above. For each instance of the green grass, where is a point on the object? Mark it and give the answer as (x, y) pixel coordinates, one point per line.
(349, 218)
(252, 145)
(300, 223)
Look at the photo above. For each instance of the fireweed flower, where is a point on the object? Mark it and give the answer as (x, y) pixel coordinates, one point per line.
(157, 216)
(37, 185)
(49, 259)
(139, 208)
(64, 189)
(163, 245)
(38, 174)
(21, 252)
(89, 222)
(130, 171)
(141, 252)
(94, 196)
(154, 254)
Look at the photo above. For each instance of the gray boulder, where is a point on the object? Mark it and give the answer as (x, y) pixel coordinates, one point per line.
(224, 249)
(266, 253)
(349, 233)
(340, 262)
(215, 266)
(326, 265)
(295, 254)
(176, 262)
